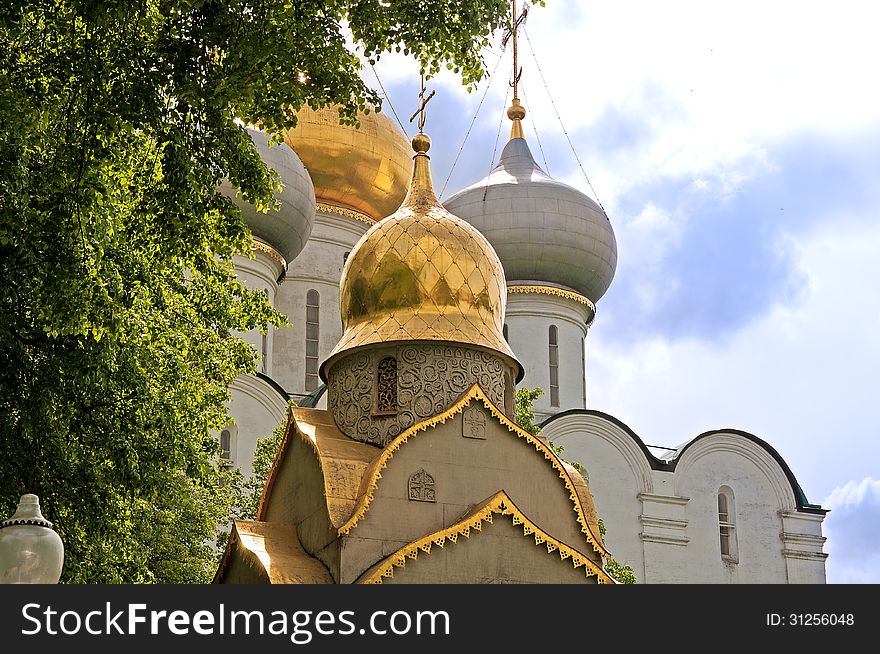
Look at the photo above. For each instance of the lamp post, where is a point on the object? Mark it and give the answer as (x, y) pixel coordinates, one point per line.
(30, 550)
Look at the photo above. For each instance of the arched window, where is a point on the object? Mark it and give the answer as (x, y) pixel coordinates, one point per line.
(727, 524)
(504, 331)
(312, 339)
(554, 366)
(226, 445)
(386, 386)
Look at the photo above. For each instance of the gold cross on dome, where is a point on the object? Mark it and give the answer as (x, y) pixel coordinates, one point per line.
(420, 112)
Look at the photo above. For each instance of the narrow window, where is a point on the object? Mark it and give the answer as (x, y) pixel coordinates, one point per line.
(386, 386)
(226, 445)
(554, 366)
(345, 257)
(312, 333)
(504, 331)
(727, 524)
(264, 349)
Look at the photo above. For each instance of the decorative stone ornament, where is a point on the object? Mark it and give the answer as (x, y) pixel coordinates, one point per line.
(30, 550)
(421, 487)
(473, 423)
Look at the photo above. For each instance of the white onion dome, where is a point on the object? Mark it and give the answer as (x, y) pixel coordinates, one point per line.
(543, 230)
(288, 228)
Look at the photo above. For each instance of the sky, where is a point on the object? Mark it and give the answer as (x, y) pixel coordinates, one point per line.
(736, 149)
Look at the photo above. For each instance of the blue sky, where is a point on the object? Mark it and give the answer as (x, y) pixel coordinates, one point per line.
(736, 148)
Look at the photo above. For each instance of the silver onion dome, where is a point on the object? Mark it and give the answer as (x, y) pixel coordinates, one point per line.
(543, 230)
(288, 228)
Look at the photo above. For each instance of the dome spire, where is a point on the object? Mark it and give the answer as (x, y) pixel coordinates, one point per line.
(516, 112)
(421, 189)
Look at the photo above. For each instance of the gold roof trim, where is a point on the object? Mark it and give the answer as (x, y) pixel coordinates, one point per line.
(342, 461)
(475, 393)
(276, 551)
(344, 211)
(265, 248)
(552, 290)
(498, 504)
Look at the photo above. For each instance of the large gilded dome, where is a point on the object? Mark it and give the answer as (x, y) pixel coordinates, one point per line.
(422, 274)
(288, 228)
(364, 169)
(543, 230)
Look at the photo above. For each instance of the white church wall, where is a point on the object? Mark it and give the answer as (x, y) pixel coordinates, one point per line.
(260, 273)
(665, 522)
(318, 267)
(760, 493)
(528, 319)
(617, 473)
(258, 409)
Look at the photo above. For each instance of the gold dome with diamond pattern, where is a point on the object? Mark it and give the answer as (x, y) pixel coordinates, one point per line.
(364, 169)
(422, 274)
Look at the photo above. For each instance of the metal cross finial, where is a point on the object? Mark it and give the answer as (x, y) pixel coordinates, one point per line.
(515, 22)
(420, 112)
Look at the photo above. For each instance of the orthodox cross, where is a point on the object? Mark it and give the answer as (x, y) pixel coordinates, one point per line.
(515, 22)
(420, 112)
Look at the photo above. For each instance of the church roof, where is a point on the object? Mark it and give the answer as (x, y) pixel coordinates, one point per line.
(342, 459)
(470, 525)
(542, 229)
(270, 552)
(422, 274)
(356, 171)
(579, 494)
(669, 462)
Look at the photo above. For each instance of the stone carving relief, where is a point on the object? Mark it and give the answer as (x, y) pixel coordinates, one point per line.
(421, 487)
(429, 379)
(473, 423)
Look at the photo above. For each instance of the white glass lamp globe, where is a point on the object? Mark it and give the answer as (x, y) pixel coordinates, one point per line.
(30, 550)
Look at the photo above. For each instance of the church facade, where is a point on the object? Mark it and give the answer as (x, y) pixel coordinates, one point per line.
(412, 323)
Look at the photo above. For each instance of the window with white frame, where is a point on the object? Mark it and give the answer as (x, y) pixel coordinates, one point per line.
(554, 365)
(312, 339)
(727, 524)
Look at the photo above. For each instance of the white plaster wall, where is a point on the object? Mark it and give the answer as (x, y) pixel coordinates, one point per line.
(258, 409)
(528, 319)
(260, 273)
(761, 492)
(318, 267)
(616, 472)
(665, 524)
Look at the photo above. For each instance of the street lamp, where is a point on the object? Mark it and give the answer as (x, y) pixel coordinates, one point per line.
(30, 550)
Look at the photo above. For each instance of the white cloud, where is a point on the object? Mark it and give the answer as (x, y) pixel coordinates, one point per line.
(802, 377)
(708, 85)
(853, 532)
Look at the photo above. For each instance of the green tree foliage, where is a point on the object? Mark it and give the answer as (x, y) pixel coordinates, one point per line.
(118, 304)
(524, 399)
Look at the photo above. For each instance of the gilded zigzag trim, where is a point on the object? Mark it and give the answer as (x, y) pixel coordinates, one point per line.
(475, 393)
(552, 290)
(344, 211)
(499, 504)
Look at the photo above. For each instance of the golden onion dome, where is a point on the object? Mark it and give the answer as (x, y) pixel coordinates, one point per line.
(364, 169)
(422, 274)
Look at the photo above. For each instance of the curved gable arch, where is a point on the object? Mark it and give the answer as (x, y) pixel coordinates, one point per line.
(610, 430)
(733, 442)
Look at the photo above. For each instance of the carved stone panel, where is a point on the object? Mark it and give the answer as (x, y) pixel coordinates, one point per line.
(421, 487)
(473, 424)
(430, 377)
